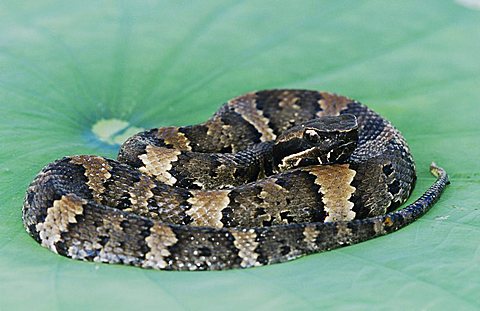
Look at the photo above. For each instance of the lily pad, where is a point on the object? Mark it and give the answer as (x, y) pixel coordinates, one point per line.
(79, 77)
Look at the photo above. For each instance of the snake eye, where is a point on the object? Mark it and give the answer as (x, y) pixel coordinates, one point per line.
(312, 136)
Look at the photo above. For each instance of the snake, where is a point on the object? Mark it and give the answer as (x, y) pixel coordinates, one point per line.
(272, 176)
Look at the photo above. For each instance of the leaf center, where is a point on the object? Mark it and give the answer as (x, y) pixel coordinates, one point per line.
(114, 131)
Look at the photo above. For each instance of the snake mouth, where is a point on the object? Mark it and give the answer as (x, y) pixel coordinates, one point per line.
(297, 159)
(338, 154)
(341, 153)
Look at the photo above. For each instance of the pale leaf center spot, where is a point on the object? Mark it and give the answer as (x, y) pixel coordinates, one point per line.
(114, 131)
(471, 4)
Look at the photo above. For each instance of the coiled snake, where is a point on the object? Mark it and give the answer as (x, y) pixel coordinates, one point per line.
(272, 176)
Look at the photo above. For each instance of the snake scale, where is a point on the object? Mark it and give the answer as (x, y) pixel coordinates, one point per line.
(272, 176)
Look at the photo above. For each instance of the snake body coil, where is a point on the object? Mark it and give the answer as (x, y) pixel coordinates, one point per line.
(272, 176)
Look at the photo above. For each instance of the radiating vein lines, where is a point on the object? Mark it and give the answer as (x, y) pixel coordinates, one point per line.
(47, 108)
(121, 58)
(419, 37)
(179, 302)
(84, 92)
(281, 290)
(270, 42)
(440, 288)
(283, 35)
(176, 53)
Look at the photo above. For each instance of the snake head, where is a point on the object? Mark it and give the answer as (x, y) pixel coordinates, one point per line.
(326, 140)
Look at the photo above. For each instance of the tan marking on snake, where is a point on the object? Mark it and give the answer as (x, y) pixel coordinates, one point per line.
(271, 199)
(97, 172)
(173, 137)
(245, 106)
(207, 207)
(379, 226)
(289, 99)
(246, 245)
(61, 214)
(112, 251)
(220, 133)
(160, 238)
(158, 161)
(274, 200)
(332, 104)
(310, 233)
(139, 195)
(344, 234)
(334, 182)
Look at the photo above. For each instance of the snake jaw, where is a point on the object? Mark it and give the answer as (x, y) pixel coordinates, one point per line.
(294, 160)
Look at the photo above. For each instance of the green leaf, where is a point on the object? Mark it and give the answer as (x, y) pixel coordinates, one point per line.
(78, 77)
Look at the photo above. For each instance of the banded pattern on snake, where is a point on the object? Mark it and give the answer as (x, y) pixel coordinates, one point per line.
(272, 176)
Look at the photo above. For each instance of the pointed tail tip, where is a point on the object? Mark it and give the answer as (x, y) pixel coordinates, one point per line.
(437, 171)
